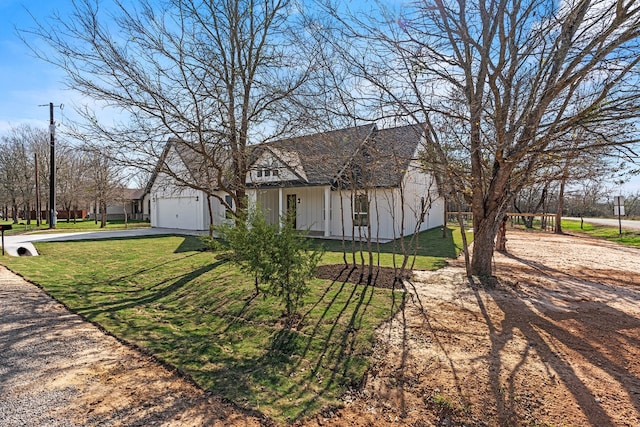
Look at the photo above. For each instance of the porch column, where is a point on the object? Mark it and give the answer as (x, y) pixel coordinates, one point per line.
(252, 198)
(280, 207)
(327, 211)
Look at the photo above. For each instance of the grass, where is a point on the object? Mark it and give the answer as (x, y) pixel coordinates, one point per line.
(80, 225)
(199, 313)
(630, 238)
(430, 248)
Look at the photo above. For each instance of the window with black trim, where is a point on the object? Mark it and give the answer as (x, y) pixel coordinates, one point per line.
(228, 213)
(360, 210)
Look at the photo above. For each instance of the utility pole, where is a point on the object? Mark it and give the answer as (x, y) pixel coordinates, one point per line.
(38, 209)
(52, 167)
(52, 171)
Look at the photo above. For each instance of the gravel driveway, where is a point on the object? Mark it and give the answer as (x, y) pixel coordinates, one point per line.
(58, 370)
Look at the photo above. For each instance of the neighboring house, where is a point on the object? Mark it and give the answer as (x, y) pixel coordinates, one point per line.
(348, 182)
(124, 200)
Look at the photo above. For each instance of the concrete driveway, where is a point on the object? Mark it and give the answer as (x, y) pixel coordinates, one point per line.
(22, 244)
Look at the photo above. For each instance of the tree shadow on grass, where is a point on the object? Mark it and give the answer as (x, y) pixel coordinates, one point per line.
(342, 359)
(285, 378)
(148, 295)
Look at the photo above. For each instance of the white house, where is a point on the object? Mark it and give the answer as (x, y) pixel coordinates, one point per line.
(349, 182)
(171, 202)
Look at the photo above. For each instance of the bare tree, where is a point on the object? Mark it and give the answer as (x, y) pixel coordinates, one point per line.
(587, 198)
(17, 168)
(10, 178)
(73, 172)
(104, 184)
(210, 75)
(497, 83)
(632, 204)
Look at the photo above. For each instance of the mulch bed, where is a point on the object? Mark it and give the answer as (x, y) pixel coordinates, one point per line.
(382, 277)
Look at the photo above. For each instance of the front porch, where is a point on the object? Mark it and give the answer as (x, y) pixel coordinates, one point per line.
(310, 207)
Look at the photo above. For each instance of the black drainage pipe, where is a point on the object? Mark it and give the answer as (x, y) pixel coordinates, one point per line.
(22, 251)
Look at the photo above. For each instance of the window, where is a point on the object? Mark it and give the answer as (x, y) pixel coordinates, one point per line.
(267, 172)
(259, 173)
(276, 172)
(228, 213)
(360, 210)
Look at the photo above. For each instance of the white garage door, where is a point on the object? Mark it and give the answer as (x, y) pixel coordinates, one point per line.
(178, 212)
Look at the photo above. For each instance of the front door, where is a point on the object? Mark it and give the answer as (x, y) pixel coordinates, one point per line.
(291, 210)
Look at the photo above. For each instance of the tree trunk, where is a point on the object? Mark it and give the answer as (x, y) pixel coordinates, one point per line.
(210, 212)
(14, 214)
(558, 229)
(486, 222)
(501, 240)
(465, 244)
(103, 218)
(483, 239)
(27, 212)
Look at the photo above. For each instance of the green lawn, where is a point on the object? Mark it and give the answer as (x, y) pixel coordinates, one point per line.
(431, 249)
(631, 238)
(80, 225)
(198, 313)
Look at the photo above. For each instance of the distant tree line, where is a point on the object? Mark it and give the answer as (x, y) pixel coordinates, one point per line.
(84, 178)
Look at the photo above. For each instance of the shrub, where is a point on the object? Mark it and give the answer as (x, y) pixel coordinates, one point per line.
(278, 257)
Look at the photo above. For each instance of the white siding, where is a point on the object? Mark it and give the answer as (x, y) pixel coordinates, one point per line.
(420, 187)
(309, 207)
(386, 215)
(267, 200)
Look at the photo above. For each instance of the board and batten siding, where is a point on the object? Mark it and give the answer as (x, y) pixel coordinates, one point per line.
(386, 216)
(309, 206)
(420, 187)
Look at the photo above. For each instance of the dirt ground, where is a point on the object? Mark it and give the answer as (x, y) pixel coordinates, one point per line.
(556, 343)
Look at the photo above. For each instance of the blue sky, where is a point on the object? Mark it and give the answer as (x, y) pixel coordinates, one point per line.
(27, 82)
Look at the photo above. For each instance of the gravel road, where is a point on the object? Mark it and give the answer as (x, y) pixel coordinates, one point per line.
(27, 315)
(58, 370)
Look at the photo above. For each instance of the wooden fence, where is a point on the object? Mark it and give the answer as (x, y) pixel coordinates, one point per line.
(541, 221)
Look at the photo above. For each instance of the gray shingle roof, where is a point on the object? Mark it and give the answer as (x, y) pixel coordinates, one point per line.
(362, 154)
